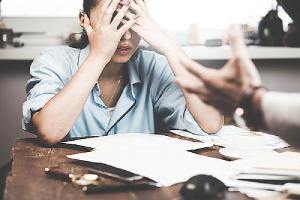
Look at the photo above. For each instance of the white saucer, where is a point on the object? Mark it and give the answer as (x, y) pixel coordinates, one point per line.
(233, 154)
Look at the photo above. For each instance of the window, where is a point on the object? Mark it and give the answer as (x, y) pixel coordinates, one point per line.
(170, 14)
(210, 14)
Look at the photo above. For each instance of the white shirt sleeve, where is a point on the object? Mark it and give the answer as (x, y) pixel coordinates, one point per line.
(282, 114)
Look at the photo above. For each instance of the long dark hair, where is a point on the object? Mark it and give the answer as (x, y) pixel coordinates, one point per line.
(83, 41)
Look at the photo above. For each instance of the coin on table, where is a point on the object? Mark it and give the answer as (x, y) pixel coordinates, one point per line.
(90, 177)
(84, 180)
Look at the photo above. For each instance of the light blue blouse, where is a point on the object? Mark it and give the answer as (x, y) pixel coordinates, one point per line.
(151, 101)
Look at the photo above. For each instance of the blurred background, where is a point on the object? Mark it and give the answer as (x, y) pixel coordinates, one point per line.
(206, 19)
(28, 27)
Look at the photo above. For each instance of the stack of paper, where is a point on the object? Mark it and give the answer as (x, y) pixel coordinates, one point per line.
(287, 162)
(280, 172)
(225, 136)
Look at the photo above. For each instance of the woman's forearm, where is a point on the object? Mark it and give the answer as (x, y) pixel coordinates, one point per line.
(207, 117)
(57, 117)
(153, 34)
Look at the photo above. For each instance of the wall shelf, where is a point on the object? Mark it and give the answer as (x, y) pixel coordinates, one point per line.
(195, 52)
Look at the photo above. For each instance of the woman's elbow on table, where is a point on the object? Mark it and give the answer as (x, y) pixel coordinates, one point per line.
(48, 132)
(213, 125)
(212, 129)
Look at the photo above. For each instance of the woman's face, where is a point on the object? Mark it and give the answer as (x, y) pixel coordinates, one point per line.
(128, 43)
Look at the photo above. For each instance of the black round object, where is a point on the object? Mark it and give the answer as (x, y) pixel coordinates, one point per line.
(203, 187)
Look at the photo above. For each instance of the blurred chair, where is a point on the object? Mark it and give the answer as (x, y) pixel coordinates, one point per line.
(4, 171)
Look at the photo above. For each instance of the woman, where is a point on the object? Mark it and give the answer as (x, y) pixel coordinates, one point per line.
(108, 87)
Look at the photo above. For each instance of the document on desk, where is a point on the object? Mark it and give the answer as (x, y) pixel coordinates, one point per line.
(262, 172)
(165, 166)
(139, 140)
(225, 136)
(286, 163)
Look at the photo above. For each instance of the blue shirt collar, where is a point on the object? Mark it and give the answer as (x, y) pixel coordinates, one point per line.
(134, 76)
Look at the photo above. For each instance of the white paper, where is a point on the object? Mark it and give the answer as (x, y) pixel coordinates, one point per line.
(284, 164)
(166, 167)
(260, 194)
(224, 137)
(163, 159)
(139, 140)
(287, 163)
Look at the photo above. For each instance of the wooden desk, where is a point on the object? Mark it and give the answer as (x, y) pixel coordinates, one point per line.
(28, 180)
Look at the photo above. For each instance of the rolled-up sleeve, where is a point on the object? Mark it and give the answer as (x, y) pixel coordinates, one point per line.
(47, 79)
(169, 102)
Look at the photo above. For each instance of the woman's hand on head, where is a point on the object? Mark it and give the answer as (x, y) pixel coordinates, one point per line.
(105, 34)
(147, 28)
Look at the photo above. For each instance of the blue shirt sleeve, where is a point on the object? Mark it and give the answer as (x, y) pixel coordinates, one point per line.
(169, 102)
(48, 76)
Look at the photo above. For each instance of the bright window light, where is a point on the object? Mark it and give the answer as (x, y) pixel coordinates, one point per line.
(170, 14)
(209, 14)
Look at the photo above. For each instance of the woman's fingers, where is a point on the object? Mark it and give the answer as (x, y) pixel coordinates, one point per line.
(126, 26)
(87, 26)
(135, 27)
(130, 15)
(105, 5)
(141, 3)
(110, 10)
(118, 18)
(136, 8)
(124, 3)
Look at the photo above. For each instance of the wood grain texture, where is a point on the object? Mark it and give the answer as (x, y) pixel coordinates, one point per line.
(28, 181)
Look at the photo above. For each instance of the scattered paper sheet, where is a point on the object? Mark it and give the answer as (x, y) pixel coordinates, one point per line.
(139, 140)
(261, 194)
(224, 138)
(287, 163)
(166, 167)
(281, 164)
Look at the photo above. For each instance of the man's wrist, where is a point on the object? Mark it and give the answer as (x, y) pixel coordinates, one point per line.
(251, 104)
(257, 98)
(256, 104)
